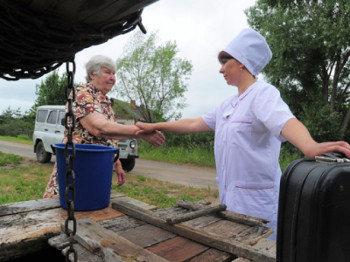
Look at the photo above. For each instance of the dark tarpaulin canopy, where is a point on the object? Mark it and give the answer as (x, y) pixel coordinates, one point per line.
(37, 36)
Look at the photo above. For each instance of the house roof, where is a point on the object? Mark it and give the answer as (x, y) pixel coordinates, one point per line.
(125, 110)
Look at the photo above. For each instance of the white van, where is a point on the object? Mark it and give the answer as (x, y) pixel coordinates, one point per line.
(49, 130)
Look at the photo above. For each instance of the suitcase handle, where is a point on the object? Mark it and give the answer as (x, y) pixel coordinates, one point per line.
(332, 157)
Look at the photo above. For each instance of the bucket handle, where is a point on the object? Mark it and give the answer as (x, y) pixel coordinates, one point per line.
(53, 149)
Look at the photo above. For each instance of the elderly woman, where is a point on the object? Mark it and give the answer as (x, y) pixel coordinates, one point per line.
(95, 119)
(249, 128)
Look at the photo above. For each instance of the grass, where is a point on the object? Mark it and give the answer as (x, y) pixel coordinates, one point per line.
(9, 159)
(23, 179)
(19, 139)
(178, 155)
(163, 194)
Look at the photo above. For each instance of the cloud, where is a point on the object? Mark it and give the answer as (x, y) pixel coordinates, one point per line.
(200, 28)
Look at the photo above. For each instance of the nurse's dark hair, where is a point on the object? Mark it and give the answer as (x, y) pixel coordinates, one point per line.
(223, 55)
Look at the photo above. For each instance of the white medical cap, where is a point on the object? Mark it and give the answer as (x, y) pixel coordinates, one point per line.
(251, 49)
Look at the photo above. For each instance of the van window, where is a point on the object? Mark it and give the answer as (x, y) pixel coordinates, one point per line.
(61, 116)
(52, 117)
(41, 116)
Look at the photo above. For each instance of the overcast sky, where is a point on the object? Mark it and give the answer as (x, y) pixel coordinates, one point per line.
(200, 29)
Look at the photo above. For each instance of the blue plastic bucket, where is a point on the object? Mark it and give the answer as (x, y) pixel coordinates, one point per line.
(93, 168)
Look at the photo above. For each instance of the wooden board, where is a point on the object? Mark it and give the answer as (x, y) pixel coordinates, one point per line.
(178, 249)
(135, 202)
(213, 255)
(98, 215)
(146, 235)
(121, 223)
(268, 245)
(110, 245)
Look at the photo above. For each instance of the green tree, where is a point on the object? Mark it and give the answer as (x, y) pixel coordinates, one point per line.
(310, 66)
(13, 123)
(51, 91)
(154, 77)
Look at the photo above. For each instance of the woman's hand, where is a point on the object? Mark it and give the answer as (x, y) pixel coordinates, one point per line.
(119, 172)
(155, 138)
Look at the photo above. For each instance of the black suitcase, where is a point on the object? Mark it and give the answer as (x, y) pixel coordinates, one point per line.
(314, 211)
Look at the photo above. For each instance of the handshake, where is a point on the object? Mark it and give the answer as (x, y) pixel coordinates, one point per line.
(149, 133)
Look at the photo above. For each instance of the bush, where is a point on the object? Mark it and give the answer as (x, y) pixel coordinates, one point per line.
(288, 154)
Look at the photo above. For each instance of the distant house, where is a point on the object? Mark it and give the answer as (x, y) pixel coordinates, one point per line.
(127, 113)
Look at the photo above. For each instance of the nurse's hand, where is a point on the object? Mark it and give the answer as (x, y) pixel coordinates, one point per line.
(318, 149)
(145, 127)
(299, 136)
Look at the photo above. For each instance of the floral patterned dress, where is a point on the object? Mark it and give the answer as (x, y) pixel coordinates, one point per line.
(88, 100)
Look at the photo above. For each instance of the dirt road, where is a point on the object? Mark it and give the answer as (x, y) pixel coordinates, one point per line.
(198, 177)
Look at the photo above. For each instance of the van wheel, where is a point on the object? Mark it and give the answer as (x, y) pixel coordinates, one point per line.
(41, 155)
(128, 164)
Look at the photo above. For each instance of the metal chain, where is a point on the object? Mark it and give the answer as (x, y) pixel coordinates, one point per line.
(70, 154)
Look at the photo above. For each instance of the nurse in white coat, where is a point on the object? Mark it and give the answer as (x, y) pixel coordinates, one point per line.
(249, 128)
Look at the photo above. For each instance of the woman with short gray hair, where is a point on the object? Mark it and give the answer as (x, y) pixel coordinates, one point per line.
(96, 63)
(96, 122)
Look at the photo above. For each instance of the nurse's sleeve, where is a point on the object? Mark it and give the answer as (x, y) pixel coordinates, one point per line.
(272, 111)
(210, 119)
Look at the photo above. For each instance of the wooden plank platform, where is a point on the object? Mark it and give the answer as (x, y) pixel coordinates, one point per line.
(130, 230)
(221, 234)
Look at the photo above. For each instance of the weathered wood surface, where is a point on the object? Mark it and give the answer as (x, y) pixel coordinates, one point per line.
(205, 238)
(157, 240)
(23, 233)
(137, 203)
(178, 249)
(213, 255)
(211, 235)
(151, 238)
(109, 245)
(240, 259)
(26, 206)
(146, 235)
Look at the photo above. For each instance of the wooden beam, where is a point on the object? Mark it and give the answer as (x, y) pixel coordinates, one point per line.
(226, 245)
(232, 216)
(195, 214)
(37, 205)
(243, 219)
